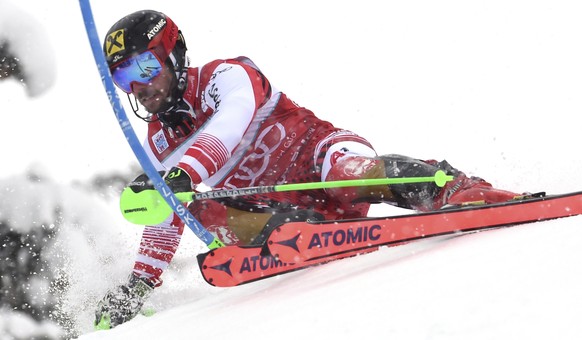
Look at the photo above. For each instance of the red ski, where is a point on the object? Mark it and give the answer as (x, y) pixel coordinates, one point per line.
(297, 245)
(235, 265)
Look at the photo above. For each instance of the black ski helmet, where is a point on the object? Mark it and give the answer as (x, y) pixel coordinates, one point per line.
(148, 30)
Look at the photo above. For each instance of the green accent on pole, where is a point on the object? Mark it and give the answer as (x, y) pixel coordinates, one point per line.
(184, 196)
(441, 178)
(215, 244)
(104, 323)
(147, 312)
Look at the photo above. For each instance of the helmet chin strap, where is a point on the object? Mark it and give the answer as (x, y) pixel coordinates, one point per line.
(135, 108)
(181, 73)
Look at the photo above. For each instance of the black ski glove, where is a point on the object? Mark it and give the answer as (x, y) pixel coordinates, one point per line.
(178, 120)
(177, 179)
(122, 303)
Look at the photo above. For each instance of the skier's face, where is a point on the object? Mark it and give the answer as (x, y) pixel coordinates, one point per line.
(153, 95)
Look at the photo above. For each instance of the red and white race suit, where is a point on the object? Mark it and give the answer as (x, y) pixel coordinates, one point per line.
(247, 133)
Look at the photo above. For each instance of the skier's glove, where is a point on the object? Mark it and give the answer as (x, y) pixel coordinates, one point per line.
(179, 119)
(122, 303)
(177, 179)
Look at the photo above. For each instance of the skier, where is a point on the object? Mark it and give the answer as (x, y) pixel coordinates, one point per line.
(226, 126)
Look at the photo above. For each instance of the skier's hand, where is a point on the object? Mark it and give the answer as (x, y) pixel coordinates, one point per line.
(179, 120)
(141, 203)
(177, 179)
(122, 303)
(142, 183)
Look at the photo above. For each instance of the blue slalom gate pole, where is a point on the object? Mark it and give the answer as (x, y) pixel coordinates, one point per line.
(135, 144)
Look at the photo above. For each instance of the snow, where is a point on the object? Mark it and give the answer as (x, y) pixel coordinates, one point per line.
(519, 283)
(23, 327)
(87, 239)
(492, 86)
(31, 45)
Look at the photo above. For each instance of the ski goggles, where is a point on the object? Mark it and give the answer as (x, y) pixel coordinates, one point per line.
(142, 68)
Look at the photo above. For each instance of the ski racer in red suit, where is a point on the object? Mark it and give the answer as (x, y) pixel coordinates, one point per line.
(226, 126)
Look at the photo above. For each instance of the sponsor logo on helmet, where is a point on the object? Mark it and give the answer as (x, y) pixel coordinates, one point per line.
(152, 33)
(114, 42)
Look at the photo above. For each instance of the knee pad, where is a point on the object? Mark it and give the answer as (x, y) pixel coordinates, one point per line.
(357, 167)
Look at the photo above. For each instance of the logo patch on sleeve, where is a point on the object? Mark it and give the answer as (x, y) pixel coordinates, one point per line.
(160, 141)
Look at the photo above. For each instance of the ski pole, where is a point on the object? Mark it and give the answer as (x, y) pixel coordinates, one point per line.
(440, 178)
(148, 207)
